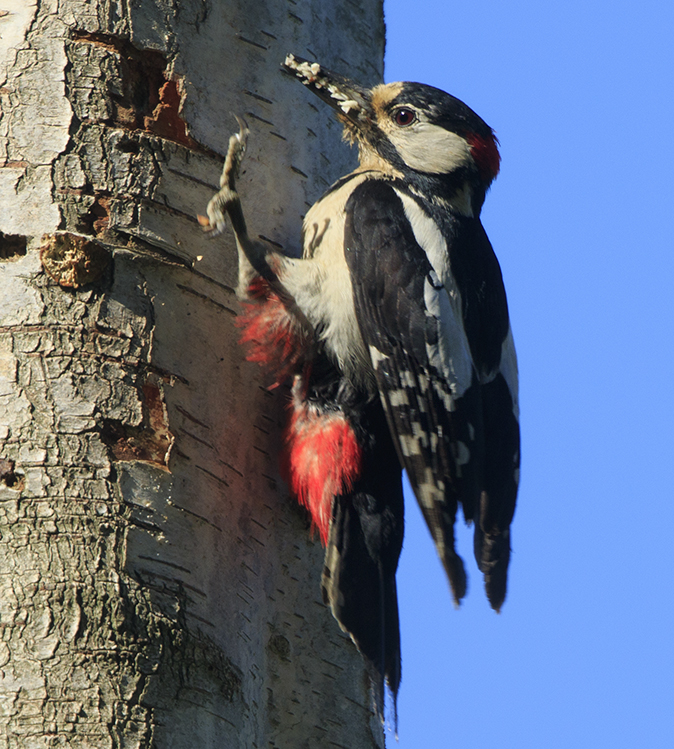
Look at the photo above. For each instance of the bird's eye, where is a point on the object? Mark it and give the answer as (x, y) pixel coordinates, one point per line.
(404, 117)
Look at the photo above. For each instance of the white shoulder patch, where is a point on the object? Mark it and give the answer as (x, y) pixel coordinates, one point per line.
(428, 235)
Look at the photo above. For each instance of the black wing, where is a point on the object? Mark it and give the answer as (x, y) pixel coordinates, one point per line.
(428, 334)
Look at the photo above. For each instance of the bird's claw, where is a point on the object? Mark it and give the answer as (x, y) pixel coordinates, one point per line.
(216, 212)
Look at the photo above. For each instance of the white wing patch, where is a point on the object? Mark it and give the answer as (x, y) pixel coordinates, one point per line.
(451, 356)
(428, 236)
(509, 370)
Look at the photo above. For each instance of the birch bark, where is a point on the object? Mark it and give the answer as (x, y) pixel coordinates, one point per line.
(158, 588)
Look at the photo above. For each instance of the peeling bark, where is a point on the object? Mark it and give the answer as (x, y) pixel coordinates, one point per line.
(157, 585)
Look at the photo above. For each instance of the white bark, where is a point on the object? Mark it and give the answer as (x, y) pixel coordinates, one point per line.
(157, 585)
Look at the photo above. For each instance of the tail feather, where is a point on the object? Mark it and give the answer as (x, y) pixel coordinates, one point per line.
(360, 587)
(497, 499)
(344, 467)
(492, 552)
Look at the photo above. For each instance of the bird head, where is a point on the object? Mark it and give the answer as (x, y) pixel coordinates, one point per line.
(408, 128)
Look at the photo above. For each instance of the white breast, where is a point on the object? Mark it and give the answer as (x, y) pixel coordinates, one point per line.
(321, 282)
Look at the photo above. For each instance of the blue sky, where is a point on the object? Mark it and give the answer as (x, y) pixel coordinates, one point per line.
(581, 95)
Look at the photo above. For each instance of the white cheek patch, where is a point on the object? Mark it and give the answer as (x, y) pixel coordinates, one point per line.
(430, 148)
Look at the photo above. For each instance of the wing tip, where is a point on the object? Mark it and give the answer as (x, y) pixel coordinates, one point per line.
(456, 573)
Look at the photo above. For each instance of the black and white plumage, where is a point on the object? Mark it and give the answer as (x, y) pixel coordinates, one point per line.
(394, 326)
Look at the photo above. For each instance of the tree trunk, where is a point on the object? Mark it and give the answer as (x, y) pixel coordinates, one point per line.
(158, 587)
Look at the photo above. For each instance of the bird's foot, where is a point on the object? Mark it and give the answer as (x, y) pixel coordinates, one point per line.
(216, 212)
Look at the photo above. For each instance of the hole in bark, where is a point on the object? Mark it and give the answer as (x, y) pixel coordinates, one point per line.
(141, 73)
(166, 120)
(149, 441)
(97, 218)
(12, 245)
(148, 99)
(128, 146)
(280, 646)
(8, 475)
(73, 260)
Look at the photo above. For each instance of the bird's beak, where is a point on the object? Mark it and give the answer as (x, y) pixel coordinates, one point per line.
(352, 102)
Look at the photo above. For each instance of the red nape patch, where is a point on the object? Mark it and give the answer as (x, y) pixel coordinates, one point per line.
(485, 153)
(272, 335)
(323, 460)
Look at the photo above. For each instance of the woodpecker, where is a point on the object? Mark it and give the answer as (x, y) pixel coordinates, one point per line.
(393, 328)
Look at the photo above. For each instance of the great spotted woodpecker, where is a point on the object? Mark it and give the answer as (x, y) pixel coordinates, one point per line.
(394, 329)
